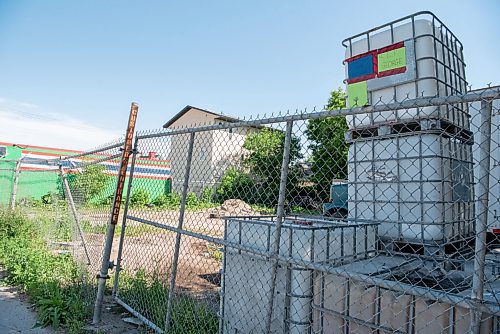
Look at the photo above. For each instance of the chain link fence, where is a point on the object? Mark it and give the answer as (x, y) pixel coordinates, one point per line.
(302, 223)
(296, 223)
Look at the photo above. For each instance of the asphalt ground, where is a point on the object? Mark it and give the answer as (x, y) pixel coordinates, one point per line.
(16, 314)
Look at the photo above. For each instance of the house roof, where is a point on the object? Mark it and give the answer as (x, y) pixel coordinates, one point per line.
(188, 107)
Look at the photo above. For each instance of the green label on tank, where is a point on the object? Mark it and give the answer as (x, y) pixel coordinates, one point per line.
(391, 59)
(357, 94)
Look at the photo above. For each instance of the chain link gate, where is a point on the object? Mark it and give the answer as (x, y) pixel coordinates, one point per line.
(88, 181)
(244, 233)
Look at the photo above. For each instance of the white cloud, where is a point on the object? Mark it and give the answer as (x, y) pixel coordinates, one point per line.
(51, 130)
(28, 105)
(18, 104)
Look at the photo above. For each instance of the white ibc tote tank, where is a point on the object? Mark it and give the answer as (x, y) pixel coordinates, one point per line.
(432, 61)
(418, 186)
(416, 181)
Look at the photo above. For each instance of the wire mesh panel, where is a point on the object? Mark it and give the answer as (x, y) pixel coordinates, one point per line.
(69, 194)
(300, 224)
(89, 185)
(88, 182)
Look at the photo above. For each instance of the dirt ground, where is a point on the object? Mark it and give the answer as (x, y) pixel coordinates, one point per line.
(151, 249)
(113, 321)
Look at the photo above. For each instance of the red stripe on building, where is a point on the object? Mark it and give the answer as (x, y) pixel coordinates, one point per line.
(36, 169)
(40, 147)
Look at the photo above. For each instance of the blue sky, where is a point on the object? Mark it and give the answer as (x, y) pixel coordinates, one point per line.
(71, 68)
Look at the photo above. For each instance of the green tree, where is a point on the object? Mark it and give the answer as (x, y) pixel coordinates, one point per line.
(264, 162)
(328, 146)
(90, 183)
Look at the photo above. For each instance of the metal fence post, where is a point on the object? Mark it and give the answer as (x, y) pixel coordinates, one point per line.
(482, 213)
(69, 198)
(175, 261)
(114, 214)
(124, 219)
(279, 220)
(14, 185)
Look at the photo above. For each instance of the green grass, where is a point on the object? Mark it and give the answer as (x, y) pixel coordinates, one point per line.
(52, 281)
(148, 295)
(263, 209)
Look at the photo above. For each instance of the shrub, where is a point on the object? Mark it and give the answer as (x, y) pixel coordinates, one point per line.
(171, 200)
(161, 201)
(140, 197)
(30, 202)
(90, 183)
(13, 223)
(175, 199)
(53, 281)
(235, 184)
(191, 199)
(207, 195)
(49, 198)
(108, 200)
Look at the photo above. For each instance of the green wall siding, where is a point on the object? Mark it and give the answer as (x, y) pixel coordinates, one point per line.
(35, 184)
(7, 170)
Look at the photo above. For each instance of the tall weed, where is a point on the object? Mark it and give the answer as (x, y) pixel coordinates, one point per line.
(51, 280)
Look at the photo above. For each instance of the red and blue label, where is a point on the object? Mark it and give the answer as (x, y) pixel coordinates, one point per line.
(382, 62)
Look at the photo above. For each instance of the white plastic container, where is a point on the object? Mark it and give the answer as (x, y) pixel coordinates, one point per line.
(435, 67)
(247, 276)
(247, 282)
(305, 238)
(417, 186)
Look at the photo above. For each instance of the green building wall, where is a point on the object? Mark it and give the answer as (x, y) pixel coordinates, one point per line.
(7, 171)
(35, 184)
